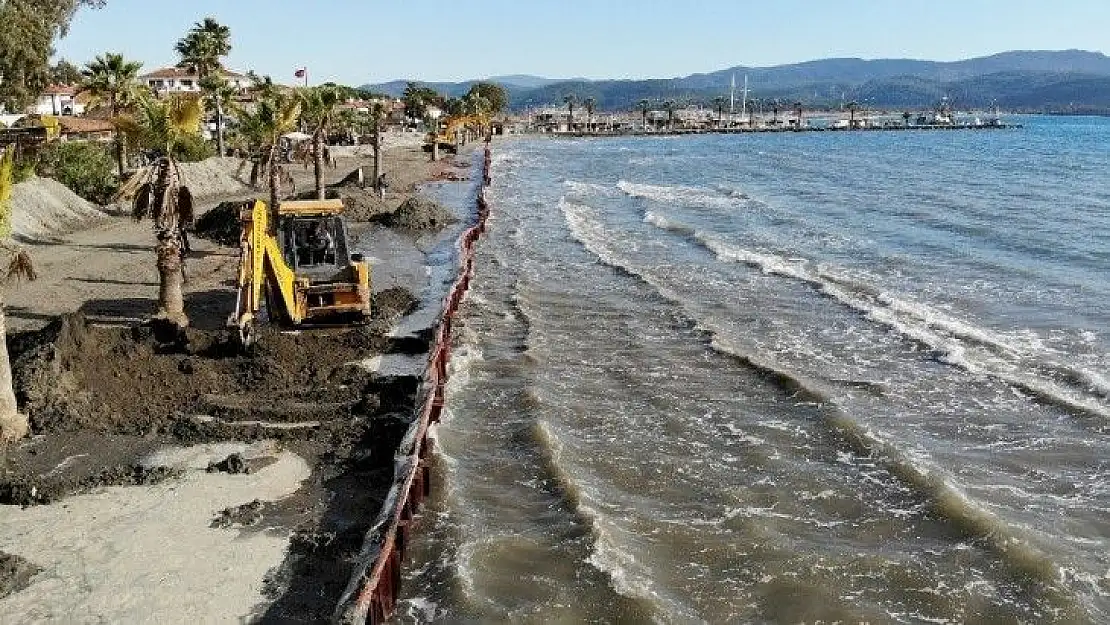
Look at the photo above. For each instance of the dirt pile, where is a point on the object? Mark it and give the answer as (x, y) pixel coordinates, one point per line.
(417, 213)
(220, 223)
(302, 386)
(15, 573)
(43, 208)
(216, 176)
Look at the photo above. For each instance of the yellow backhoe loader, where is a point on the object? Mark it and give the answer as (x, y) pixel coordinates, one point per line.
(454, 132)
(306, 273)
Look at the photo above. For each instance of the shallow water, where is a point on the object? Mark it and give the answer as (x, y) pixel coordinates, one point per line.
(782, 378)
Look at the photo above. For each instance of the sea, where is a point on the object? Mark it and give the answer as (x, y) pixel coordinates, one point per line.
(838, 377)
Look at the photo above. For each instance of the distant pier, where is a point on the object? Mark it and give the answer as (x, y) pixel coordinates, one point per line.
(789, 129)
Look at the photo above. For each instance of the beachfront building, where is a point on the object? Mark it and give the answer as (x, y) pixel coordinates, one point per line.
(178, 80)
(59, 100)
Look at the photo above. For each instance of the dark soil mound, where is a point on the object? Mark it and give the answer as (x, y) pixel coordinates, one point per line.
(418, 213)
(363, 205)
(220, 224)
(15, 573)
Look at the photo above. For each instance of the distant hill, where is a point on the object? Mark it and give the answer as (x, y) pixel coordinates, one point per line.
(1042, 81)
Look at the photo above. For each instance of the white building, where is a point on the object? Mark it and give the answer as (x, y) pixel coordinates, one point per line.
(176, 79)
(58, 100)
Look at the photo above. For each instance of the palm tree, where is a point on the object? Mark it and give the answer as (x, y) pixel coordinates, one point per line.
(13, 425)
(112, 80)
(318, 108)
(275, 114)
(719, 101)
(570, 99)
(644, 105)
(775, 112)
(669, 106)
(377, 117)
(201, 50)
(590, 104)
(798, 115)
(906, 118)
(162, 126)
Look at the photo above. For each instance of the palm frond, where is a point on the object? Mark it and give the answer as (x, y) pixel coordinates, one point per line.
(20, 266)
(141, 206)
(185, 205)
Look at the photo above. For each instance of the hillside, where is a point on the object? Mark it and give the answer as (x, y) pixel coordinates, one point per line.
(1043, 81)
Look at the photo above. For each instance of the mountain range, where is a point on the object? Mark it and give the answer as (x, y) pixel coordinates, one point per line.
(1064, 81)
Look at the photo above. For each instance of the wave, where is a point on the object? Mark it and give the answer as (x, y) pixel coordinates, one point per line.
(627, 576)
(941, 492)
(688, 196)
(953, 341)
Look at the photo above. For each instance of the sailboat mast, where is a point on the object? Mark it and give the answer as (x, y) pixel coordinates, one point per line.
(744, 106)
(732, 98)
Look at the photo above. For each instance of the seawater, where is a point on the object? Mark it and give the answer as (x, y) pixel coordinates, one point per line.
(781, 378)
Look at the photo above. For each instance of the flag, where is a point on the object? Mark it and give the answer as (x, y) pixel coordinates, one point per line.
(300, 73)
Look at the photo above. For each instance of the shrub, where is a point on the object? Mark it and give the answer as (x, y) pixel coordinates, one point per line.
(87, 168)
(192, 149)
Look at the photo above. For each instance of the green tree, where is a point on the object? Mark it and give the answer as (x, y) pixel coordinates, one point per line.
(275, 113)
(590, 104)
(798, 115)
(13, 425)
(670, 106)
(28, 29)
(65, 73)
(495, 96)
(318, 108)
(161, 125)
(417, 99)
(570, 100)
(112, 80)
(201, 51)
(719, 102)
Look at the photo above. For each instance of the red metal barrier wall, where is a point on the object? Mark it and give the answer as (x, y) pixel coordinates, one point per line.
(371, 595)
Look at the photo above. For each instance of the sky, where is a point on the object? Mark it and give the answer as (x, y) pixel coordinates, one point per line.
(367, 41)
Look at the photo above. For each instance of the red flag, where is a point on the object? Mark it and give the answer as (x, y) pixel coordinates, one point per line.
(301, 72)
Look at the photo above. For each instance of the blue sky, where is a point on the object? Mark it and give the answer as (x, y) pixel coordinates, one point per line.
(355, 42)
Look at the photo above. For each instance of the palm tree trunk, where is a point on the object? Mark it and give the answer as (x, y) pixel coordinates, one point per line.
(171, 280)
(378, 155)
(275, 186)
(220, 127)
(318, 162)
(13, 426)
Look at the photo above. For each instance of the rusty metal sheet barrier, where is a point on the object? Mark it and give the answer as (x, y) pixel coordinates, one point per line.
(371, 595)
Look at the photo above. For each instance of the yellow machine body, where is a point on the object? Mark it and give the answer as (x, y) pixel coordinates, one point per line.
(298, 284)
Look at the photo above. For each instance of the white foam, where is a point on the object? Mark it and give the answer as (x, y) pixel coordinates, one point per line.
(689, 196)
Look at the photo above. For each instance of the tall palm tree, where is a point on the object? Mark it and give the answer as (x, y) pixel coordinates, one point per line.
(906, 118)
(275, 113)
(162, 126)
(377, 117)
(775, 112)
(798, 115)
(719, 101)
(13, 425)
(669, 106)
(644, 106)
(318, 108)
(201, 50)
(590, 104)
(110, 79)
(570, 100)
